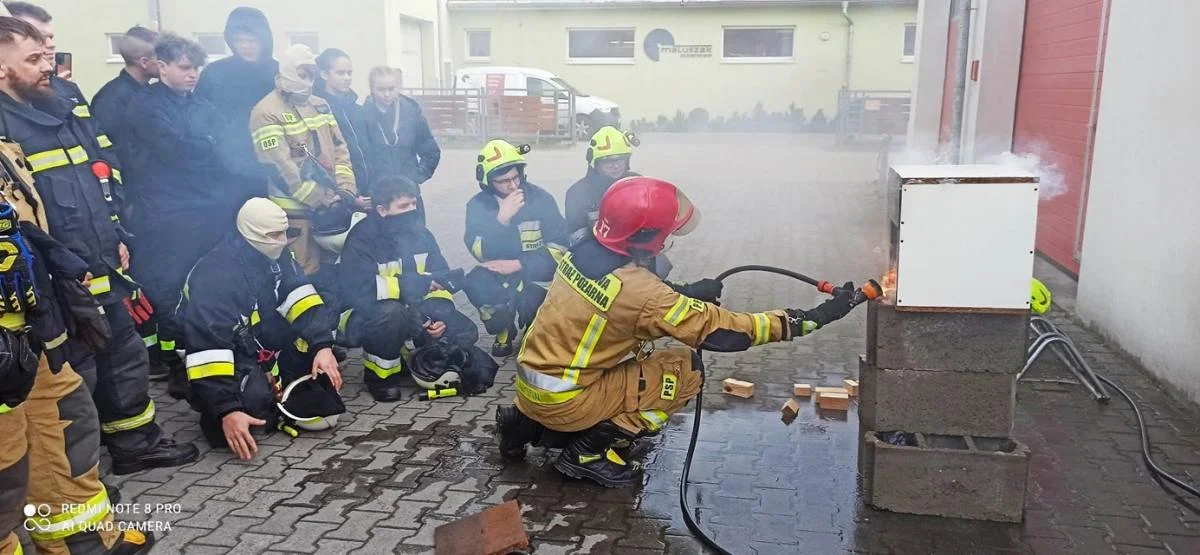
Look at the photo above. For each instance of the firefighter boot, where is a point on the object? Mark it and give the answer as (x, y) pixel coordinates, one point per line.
(164, 454)
(514, 431)
(177, 380)
(503, 346)
(590, 455)
(133, 542)
(384, 390)
(634, 449)
(158, 367)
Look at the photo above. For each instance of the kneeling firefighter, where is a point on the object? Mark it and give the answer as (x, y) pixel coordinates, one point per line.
(399, 288)
(588, 366)
(511, 226)
(253, 326)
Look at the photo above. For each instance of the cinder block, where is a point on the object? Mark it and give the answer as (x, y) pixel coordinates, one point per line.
(952, 476)
(960, 341)
(965, 403)
(802, 390)
(738, 388)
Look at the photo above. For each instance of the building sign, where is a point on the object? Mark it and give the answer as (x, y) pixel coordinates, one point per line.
(660, 41)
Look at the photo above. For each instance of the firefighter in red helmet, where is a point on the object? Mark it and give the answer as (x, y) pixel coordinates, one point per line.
(587, 365)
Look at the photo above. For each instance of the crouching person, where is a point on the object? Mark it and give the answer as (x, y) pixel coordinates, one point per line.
(398, 288)
(587, 366)
(253, 326)
(511, 226)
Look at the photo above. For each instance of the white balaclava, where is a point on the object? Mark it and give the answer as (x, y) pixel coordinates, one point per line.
(289, 80)
(257, 219)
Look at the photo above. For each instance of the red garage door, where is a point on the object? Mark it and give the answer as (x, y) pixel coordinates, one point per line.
(1054, 102)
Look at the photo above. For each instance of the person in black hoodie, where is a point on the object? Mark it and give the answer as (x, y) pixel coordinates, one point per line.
(398, 139)
(333, 84)
(234, 85)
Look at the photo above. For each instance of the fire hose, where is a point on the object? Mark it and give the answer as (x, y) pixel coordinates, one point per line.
(870, 290)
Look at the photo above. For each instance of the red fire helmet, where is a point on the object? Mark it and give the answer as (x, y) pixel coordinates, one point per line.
(638, 213)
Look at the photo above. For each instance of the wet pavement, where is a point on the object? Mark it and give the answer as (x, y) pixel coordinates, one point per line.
(391, 473)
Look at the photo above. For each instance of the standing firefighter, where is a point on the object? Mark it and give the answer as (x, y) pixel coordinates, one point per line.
(511, 225)
(50, 448)
(60, 147)
(587, 365)
(297, 133)
(254, 326)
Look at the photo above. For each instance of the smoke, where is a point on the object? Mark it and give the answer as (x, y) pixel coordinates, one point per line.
(1052, 183)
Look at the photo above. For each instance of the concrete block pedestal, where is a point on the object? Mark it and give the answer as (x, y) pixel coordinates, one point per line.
(943, 475)
(936, 402)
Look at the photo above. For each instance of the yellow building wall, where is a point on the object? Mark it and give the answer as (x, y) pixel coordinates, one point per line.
(648, 89)
(80, 27)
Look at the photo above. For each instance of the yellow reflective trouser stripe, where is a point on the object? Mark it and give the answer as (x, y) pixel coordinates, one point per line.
(655, 419)
(150, 340)
(82, 518)
(305, 190)
(387, 287)
(383, 367)
(57, 158)
(583, 352)
(543, 397)
(209, 364)
(343, 170)
(439, 294)
(57, 341)
(678, 311)
(12, 321)
(266, 132)
(133, 422)
(100, 285)
(3, 409)
(82, 111)
(762, 328)
(167, 345)
(104, 141)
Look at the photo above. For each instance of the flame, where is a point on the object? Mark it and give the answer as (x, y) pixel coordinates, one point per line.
(888, 282)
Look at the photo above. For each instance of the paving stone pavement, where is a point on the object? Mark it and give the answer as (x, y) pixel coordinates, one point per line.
(393, 472)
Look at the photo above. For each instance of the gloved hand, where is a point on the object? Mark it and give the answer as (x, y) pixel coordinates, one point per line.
(707, 290)
(87, 319)
(804, 322)
(138, 307)
(18, 368)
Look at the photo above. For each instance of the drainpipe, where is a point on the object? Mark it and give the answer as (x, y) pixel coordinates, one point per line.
(962, 12)
(849, 41)
(155, 7)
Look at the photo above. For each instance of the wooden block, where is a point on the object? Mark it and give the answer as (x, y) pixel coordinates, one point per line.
(738, 388)
(498, 530)
(851, 387)
(834, 401)
(802, 390)
(790, 409)
(820, 390)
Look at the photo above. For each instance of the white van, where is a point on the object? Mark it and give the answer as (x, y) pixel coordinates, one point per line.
(591, 112)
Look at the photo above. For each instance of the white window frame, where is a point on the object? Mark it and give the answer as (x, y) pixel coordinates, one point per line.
(758, 60)
(291, 37)
(905, 58)
(632, 59)
(467, 45)
(211, 56)
(114, 53)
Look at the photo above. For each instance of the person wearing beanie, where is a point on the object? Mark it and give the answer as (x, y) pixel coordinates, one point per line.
(252, 324)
